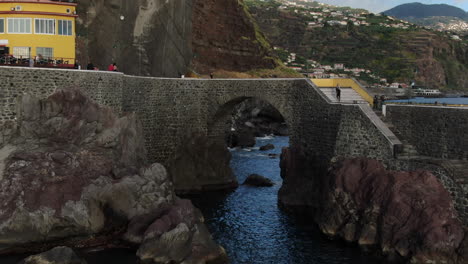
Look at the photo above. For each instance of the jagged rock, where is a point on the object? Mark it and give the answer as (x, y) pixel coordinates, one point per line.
(74, 173)
(244, 138)
(57, 255)
(267, 147)
(408, 215)
(258, 181)
(200, 164)
(179, 235)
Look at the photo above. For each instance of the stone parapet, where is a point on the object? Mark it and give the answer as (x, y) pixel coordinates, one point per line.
(438, 132)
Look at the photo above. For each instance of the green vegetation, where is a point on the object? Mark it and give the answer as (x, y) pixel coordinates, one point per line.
(389, 48)
(260, 38)
(278, 72)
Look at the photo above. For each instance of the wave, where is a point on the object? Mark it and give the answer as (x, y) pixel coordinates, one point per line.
(266, 137)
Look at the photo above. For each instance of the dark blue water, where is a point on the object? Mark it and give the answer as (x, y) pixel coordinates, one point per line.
(422, 100)
(251, 227)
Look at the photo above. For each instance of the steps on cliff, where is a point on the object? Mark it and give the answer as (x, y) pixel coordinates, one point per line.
(348, 95)
(409, 152)
(459, 169)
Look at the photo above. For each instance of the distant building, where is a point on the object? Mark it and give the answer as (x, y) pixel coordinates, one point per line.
(338, 66)
(295, 68)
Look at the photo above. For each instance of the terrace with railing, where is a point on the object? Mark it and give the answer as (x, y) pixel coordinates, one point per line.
(45, 62)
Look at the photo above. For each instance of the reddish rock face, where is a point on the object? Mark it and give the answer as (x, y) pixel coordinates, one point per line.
(409, 215)
(73, 173)
(224, 38)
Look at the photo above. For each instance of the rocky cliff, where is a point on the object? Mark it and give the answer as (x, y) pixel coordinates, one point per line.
(407, 216)
(226, 37)
(73, 173)
(169, 38)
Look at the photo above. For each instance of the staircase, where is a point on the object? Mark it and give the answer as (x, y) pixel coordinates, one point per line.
(459, 169)
(409, 152)
(348, 95)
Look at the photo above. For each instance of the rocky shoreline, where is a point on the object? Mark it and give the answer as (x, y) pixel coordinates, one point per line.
(405, 216)
(74, 174)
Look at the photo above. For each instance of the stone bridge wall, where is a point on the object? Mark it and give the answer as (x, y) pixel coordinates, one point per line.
(438, 132)
(172, 109)
(103, 87)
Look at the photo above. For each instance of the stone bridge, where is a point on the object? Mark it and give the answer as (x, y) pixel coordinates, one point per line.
(172, 110)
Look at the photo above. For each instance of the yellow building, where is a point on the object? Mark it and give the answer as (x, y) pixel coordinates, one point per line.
(43, 30)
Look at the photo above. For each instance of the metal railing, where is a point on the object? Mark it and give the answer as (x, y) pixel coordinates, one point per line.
(49, 62)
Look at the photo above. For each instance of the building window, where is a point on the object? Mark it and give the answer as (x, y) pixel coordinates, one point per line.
(46, 53)
(2, 25)
(44, 26)
(22, 52)
(19, 25)
(65, 27)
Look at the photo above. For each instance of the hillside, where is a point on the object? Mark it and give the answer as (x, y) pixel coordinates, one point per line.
(418, 10)
(377, 45)
(169, 38)
(439, 17)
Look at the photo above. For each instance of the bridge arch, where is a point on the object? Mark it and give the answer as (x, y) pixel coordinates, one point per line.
(218, 122)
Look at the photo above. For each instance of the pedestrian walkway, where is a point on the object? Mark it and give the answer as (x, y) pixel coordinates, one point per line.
(348, 95)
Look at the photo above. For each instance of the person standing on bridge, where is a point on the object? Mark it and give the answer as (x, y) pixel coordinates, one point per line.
(376, 102)
(338, 92)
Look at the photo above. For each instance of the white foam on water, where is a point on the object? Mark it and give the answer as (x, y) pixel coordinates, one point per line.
(266, 137)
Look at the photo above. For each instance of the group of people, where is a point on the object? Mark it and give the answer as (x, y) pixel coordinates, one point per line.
(91, 67)
(378, 102)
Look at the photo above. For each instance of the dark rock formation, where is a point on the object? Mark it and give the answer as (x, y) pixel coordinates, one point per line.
(243, 138)
(57, 255)
(258, 181)
(201, 164)
(408, 215)
(267, 147)
(224, 36)
(178, 235)
(75, 174)
(162, 38)
(153, 38)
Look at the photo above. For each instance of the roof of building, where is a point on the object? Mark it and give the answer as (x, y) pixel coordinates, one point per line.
(56, 2)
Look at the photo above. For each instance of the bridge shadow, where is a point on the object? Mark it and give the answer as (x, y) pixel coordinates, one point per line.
(239, 121)
(254, 131)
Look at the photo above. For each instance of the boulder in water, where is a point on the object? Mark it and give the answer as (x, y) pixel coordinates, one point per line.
(243, 138)
(201, 164)
(267, 147)
(258, 181)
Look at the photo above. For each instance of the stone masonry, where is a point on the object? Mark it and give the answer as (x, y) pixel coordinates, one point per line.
(438, 132)
(173, 109)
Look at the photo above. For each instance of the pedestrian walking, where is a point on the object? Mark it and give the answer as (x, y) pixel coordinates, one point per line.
(338, 93)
